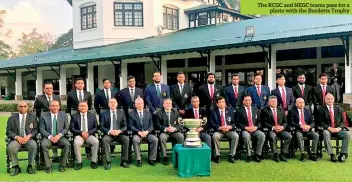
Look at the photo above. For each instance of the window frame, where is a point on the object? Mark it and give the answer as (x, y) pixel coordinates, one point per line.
(133, 11)
(86, 15)
(166, 16)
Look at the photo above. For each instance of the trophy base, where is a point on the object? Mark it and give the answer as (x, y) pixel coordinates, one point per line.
(193, 144)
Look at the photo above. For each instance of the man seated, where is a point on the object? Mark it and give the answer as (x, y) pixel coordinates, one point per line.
(274, 119)
(53, 126)
(331, 119)
(21, 130)
(84, 125)
(301, 118)
(222, 120)
(113, 124)
(141, 124)
(167, 123)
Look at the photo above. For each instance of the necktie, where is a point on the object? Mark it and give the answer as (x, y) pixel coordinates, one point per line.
(141, 118)
(196, 114)
(107, 94)
(80, 96)
(23, 127)
(275, 117)
(236, 92)
(132, 94)
(302, 117)
(49, 99)
(84, 124)
(181, 88)
(249, 117)
(211, 92)
(258, 91)
(302, 91)
(332, 117)
(168, 117)
(222, 118)
(324, 93)
(158, 90)
(283, 98)
(54, 126)
(114, 120)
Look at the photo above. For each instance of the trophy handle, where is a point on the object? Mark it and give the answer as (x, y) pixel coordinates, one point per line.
(205, 120)
(180, 121)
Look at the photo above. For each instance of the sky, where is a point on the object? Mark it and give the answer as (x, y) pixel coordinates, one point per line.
(53, 16)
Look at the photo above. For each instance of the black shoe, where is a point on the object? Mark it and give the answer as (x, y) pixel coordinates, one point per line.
(256, 158)
(283, 157)
(313, 157)
(342, 158)
(124, 164)
(232, 159)
(107, 166)
(303, 157)
(30, 170)
(217, 159)
(61, 169)
(93, 165)
(248, 159)
(333, 158)
(276, 157)
(48, 170)
(152, 162)
(17, 170)
(166, 161)
(139, 163)
(78, 166)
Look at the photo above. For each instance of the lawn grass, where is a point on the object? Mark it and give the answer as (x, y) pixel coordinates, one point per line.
(267, 170)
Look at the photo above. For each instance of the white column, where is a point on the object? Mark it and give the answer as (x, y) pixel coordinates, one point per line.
(90, 79)
(7, 85)
(347, 97)
(18, 85)
(318, 52)
(212, 63)
(39, 83)
(163, 71)
(62, 83)
(271, 78)
(123, 75)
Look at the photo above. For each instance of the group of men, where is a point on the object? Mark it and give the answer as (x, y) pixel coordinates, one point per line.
(250, 109)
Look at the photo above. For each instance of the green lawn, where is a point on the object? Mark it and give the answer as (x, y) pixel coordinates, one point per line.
(267, 170)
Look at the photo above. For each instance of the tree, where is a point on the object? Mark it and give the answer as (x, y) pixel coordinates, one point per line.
(5, 49)
(65, 40)
(34, 42)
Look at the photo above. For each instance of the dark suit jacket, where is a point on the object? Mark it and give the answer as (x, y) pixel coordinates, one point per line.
(230, 96)
(75, 124)
(45, 124)
(153, 100)
(100, 100)
(125, 100)
(307, 94)
(182, 100)
(242, 119)
(13, 126)
(339, 75)
(202, 114)
(135, 124)
(215, 121)
(204, 95)
(162, 120)
(41, 104)
(262, 101)
(72, 100)
(268, 118)
(293, 118)
(289, 97)
(317, 94)
(324, 117)
(105, 121)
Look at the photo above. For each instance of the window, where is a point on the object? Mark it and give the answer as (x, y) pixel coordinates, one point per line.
(176, 63)
(203, 18)
(296, 54)
(128, 14)
(170, 18)
(88, 17)
(332, 51)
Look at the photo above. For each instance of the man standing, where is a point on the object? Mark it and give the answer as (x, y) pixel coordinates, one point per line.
(141, 124)
(222, 120)
(181, 94)
(248, 119)
(41, 103)
(128, 95)
(337, 79)
(167, 123)
(156, 93)
(234, 93)
(331, 120)
(21, 130)
(301, 90)
(208, 92)
(319, 92)
(274, 119)
(283, 94)
(84, 126)
(259, 93)
(76, 96)
(53, 127)
(102, 97)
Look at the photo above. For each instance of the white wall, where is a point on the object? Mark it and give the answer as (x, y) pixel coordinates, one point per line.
(105, 71)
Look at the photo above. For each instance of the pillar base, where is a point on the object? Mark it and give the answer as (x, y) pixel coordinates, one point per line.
(347, 99)
(19, 97)
(63, 97)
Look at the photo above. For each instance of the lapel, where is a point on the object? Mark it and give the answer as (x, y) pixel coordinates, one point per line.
(335, 115)
(218, 114)
(17, 123)
(138, 119)
(59, 121)
(154, 89)
(227, 116)
(271, 114)
(45, 100)
(207, 91)
(305, 90)
(244, 112)
(104, 95)
(79, 120)
(232, 92)
(319, 90)
(27, 123)
(75, 96)
(128, 95)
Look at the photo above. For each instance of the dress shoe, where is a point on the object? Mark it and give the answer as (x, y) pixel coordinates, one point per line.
(248, 159)
(342, 158)
(93, 165)
(17, 170)
(276, 157)
(107, 166)
(333, 158)
(232, 159)
(152, 162)
(30, 170)
(217, 159)
(166, 161)
(48, 170)
(124, 164)
(283, 157)
(61, 168)
(139, 163)
(313, 157)
(303, 157)
(256, 158)
(78, 166)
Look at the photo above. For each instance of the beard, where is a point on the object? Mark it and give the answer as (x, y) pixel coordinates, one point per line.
(210, 82)
(156, 81)
(301, 82)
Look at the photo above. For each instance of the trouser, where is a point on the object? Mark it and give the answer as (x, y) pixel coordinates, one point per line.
(284, 135)
(233, 136)
(14, 147)
(165, 136)
(311, 135)
(341, 135)
(205, 137)
(152, 149)
(336, 88)
(63, 143)
(259, 136)
(122, 139)
(92, 141)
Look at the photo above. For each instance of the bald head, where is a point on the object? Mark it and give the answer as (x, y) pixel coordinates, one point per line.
(300, 103)
(329, 99)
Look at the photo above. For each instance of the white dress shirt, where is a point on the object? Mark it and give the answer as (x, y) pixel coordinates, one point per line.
(20, 119)
(224, 113)
(52, 124)
(280, 89)
(47, 97)
(181, 88)
(194, 111)
(112, 119)
(106, 91)
(213, 85)
(82, 93)
(321, 86)
(235, 88)
(86, 119)
(272, 111)
(300, 115)
(156, 86)
(250, 110)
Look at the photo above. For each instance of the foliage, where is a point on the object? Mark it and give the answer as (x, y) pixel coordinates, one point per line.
(65, 40)
(34, 42)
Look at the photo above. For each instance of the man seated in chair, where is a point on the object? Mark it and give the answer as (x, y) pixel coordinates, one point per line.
(222, 120)
(167, 123)
(248, 119)
(53, 126)
(197, 112)
(274, 119)
(84, 125)
(141, 124)
(113, 124)
(21, 130)
(331, 119)
(301, 118)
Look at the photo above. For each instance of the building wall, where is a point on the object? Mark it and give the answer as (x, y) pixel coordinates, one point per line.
(105, 71)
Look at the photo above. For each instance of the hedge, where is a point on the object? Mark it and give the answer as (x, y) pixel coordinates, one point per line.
(12, 107)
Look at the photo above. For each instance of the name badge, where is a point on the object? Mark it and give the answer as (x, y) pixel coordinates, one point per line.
(185, 96)
(229, 119)
(264, 97)
(164, 94)
(31, 125)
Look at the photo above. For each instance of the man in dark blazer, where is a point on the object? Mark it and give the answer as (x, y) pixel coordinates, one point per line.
(141, 124)
(113, 124)
(84, 125)
(275, 120)
(259, 93)
(128, 95)
(234, 93)
(102, 97)
(22, 128)
(208, 92)
(181, 94)
(222, 120)
(331, 119)
(248, 119)
(302, 119)
(156, 93)
(167, 123)
(302, 90)
(337, 79)
(319, 92)
(197, 112)
(76, 96)
(283, 94)
(41, 103)
(53, 126)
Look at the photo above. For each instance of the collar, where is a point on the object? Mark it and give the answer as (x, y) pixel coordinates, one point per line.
(282, 87)
(168, 111)
(247, 107)
(79, 91)
(222, 110)
(322, 86)
(83, 113)
(256, 86)
(129, 88)
(273, 108)
(47, 96)
(139, 110)
(113, 110)
(54, 114)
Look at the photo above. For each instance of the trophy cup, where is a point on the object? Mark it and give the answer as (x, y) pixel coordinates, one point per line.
(192, 136)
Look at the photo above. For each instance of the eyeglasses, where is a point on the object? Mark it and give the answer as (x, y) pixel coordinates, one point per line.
(22, 106)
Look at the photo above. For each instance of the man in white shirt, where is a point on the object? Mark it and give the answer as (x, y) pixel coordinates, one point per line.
(102, 97)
